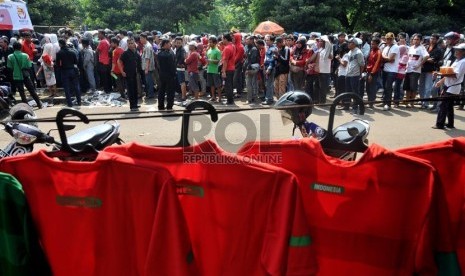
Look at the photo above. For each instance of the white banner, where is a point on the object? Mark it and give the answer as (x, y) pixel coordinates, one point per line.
(14, 16)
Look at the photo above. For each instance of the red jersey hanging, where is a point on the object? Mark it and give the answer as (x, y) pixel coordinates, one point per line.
(365, 216)
(243, 218)
(448, 157)
(104, 217)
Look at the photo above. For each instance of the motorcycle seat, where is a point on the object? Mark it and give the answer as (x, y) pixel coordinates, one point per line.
(95, 136)
(346, 132)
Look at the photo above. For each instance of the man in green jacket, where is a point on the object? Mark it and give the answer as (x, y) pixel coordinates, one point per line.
(17, 62)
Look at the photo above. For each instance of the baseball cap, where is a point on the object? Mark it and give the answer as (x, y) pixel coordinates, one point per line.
(461, 46)
(353, 40)
(389, 35)
(192, 43)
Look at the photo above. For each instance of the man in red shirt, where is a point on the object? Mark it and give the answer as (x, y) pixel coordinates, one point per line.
(192, 63)
(115, 70)
(239, 61)
(373, 69)
(29, 48)
(229, 67)
(104, 64)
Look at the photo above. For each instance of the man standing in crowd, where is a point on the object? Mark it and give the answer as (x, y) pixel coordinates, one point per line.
(239, 62)
(391, 63)
(229, 67)
(166, 61)
(88, 63)
(117, 52)
(373, 69)
(192, 63)
(213, 75)
(355, 67)
(290, 45)
(5, 51)
(417, 56)
(67, 62)
(452, 87)
(251, 67)
(103, 66)
(282, 67)
(270, 64)
(130, 64)
(28, 47)
(431, 65)
(17, 62)
(181, 66)
(148, 65)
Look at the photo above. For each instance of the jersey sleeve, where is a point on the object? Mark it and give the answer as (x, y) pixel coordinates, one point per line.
(170, 250)
(435, 251)
(20, 251)
(288, 246)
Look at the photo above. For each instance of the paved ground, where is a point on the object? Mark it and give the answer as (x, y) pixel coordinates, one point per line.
(393, 129)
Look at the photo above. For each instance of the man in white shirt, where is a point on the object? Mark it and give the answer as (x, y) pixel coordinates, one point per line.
(417, 56)
(391, 63)
(453, 85)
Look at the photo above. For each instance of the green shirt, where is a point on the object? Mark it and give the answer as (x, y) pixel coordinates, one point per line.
(213, 55)
(20, 251)
(18, 61)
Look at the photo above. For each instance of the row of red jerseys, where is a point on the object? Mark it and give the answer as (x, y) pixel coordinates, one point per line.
(141, 210)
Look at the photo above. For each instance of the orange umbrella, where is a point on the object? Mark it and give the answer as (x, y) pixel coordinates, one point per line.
(268, 27)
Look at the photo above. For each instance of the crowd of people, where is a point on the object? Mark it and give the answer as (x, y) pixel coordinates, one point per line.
(264, 67)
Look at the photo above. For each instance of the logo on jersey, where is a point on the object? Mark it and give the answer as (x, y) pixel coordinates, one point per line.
(189, 190)
(332, 189)
(76, 201)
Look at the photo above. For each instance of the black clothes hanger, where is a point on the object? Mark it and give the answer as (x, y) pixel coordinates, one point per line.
(356, 144)
(88, 151)
(184, 141)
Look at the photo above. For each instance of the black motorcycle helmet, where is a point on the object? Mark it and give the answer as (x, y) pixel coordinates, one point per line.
(301, 107)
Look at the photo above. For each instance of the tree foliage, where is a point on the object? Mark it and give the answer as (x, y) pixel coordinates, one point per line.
(168, 15)
(217, 16)
(371, 15)
(52, 12)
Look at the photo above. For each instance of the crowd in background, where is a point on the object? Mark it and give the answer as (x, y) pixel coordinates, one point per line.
(234, 64)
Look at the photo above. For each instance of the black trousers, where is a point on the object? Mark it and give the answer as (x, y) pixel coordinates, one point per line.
(228, 86)
(166, 88)
(312, 88)
(239, 79)
(19, 84)
(105, 78)
(446, 110)
(131, 85)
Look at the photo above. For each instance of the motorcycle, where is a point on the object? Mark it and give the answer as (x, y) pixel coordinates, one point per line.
(26, 135)
(342, 142)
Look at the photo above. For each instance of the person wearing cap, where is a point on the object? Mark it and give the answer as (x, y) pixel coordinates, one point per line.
(452, 87)
(355, 67)
(192, 63)
(426, 88)
(325, 56)
(391, 63)
(251, 67)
